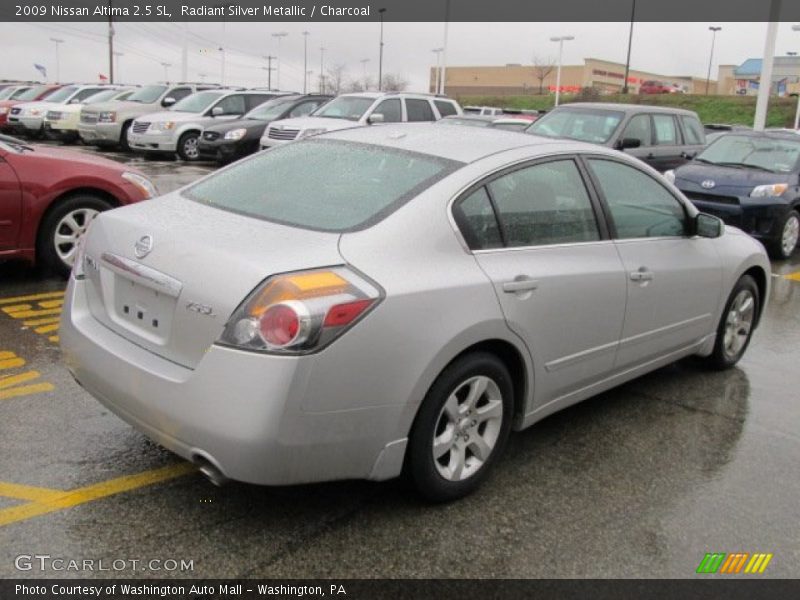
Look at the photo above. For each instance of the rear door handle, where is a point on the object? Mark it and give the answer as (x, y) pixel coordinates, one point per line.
(521, 283)
(642, 274)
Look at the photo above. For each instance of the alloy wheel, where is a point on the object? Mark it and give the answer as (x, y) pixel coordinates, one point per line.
(739, 323)
(467, 428)
(190, 148)
(69, 231)
(789, 237)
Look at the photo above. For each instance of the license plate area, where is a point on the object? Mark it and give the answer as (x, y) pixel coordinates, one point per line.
(142, 310)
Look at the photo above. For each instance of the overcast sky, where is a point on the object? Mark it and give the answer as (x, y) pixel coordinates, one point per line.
(665, 48)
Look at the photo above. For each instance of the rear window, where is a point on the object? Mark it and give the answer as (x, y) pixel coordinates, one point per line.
(323, 185)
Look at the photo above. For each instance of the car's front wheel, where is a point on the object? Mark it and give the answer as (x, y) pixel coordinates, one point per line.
(63, 228)
(461, 427)
(187, 146)
(736, 324)
(789, 234)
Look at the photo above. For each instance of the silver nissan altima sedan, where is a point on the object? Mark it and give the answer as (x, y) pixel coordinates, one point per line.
(396, 299)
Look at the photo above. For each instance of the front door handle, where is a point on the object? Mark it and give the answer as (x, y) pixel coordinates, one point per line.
(521, 283)
(642, 275)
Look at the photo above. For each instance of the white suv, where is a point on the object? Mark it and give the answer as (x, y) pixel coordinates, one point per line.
(357, 110)
(178, 129)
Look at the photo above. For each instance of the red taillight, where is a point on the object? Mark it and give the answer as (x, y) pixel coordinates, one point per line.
(279, 325)
(344, 314)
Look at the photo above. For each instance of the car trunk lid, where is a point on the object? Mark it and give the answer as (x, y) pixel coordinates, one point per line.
(167, 274)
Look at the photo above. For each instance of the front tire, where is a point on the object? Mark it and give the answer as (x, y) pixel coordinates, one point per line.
(736, 324)
(783, 246)
(123, 137)
(187, 146)
(461, 428)
(63, 228)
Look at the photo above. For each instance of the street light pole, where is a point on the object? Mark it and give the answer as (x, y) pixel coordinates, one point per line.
(438, 53)
(560, 40)
(118, 54)
(713, 31)
(380, 52)
(269, 70)
(630, 44)
(443, 69)
(797, 112)
(321, 70)
(279, 36)
(765, 78)
(58, 42)
(305, 60)
(166, 66)
(222, 67)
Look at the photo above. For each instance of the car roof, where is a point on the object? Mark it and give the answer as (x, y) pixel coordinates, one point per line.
(768, 133)
(463, 144)
(628, 108)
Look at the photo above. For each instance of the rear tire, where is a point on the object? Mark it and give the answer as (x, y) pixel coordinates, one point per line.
(187, 146)
(735, 327)
(783, 246)
(461, 428)
(63, 227)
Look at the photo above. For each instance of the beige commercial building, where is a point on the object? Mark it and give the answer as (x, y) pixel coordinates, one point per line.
(515, 80)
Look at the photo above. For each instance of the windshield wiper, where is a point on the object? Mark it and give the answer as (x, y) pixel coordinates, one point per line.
(740, 165)
(703, 160)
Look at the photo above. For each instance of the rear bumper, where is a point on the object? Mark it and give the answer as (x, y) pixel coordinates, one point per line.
(241, 411)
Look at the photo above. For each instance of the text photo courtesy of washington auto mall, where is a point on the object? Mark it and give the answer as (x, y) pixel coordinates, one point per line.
(399, 299)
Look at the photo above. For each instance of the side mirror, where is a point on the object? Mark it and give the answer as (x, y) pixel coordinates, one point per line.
(168, 101)
(217, 111)
(625, 143)
(375, 118)
(708, 226)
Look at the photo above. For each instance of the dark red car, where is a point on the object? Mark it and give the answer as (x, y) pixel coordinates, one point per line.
(35, 93)
(659, 87)
(48, 197)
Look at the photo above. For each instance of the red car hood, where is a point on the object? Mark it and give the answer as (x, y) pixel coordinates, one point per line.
(43, 151)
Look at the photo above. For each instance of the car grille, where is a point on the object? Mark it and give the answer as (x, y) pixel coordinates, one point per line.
(53, 115)
(282, 134)
(210, 135)
(712, 198)
(16, 111)
(88, 118)
(140, 126)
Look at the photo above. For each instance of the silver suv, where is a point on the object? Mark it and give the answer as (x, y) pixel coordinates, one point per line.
(358, 110)
(178, 129)
(107, 124)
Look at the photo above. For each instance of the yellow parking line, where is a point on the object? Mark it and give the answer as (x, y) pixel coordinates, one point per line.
(53, 338)
(47, 328)
(52, 303)
(51, 503)
(27, 492)
(6, 381)
(793, 276)
(43, 296)
(25, 314)
(46, 321)
(25, 390)
(11, 363)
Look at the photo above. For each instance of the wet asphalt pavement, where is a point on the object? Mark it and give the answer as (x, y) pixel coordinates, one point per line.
(641, 481)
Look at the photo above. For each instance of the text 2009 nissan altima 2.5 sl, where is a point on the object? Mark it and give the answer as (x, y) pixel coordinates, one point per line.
(397, 299)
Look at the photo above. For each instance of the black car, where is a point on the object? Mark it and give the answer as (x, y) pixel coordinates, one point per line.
(664, 138)
(233, 140)
(750, 180)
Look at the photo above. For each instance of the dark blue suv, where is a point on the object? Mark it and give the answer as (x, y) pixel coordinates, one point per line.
(750, 180)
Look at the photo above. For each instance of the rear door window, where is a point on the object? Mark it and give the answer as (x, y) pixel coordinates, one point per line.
(666, 132)
(419, 110)
(232, 105)
(477, 221)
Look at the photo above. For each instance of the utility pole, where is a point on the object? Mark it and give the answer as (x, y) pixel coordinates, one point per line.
(560, 40)
(305, 60)
(166, 66)
(380, 54)
(222, 67)
(58, 42)
(269, 68)
(308, 76)
(185, 53)
(630, 43)
(110, 45)
(438, 53)
(713, 31)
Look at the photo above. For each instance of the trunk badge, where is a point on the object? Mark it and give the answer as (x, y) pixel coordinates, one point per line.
(709, 184)
(143, 246)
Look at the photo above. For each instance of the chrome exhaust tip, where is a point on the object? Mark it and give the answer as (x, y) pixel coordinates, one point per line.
(211, 471)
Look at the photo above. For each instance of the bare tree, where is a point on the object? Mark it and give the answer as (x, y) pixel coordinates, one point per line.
(336, 78)
(363, 84)
(394, 82)
(542, 67)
